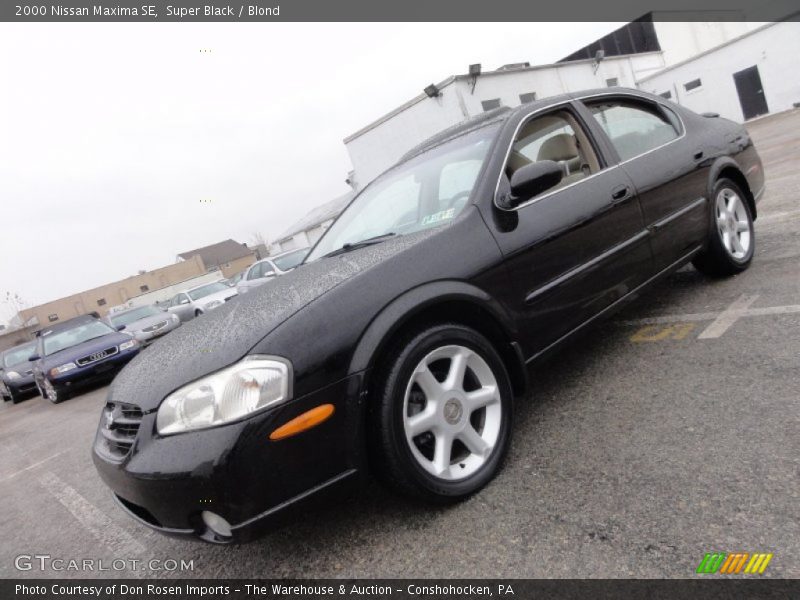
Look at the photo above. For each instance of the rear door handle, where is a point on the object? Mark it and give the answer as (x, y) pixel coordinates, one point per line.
(620, 193)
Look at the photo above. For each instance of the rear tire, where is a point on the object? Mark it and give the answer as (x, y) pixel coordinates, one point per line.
(440, 419)
(13, 397)
(731, 236)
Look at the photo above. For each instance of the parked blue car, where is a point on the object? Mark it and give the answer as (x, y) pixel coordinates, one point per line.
(79, 352)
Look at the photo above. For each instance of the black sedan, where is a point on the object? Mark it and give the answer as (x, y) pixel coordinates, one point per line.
(399, 346)
(16, 372)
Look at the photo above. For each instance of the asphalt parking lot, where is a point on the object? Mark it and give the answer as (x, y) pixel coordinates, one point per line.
(671, 431)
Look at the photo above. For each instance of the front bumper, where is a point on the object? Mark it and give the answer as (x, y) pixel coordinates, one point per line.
(21, 386)
(235, 470)
(100, 371)
(146, 338)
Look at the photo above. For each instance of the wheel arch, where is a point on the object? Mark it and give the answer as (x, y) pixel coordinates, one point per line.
(441, 302)
(729, 169)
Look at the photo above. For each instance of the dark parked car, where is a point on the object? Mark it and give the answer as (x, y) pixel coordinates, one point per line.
(79, 352)
(16, 372)
(145, 323)
(401, 344)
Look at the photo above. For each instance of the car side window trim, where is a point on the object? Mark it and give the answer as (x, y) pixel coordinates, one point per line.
(588, 132)
(658, 106)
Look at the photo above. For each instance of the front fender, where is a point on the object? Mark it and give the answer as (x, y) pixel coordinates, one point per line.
(413, 303)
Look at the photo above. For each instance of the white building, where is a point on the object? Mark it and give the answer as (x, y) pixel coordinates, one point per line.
(751, 75)
(660, 56)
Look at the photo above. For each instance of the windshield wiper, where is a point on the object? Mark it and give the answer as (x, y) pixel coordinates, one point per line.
(361, 244)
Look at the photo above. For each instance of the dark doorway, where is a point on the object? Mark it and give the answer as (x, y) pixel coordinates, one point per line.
(751, 93)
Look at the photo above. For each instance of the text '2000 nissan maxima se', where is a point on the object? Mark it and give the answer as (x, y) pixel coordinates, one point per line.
(399, 345)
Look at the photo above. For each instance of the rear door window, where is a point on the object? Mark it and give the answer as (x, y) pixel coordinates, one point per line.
(633, 127)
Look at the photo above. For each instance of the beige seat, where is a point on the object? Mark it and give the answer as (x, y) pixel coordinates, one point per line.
(563, 148)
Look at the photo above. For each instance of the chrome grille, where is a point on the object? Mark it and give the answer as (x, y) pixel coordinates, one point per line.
(155, 327)
(118, 428)
(91, 358)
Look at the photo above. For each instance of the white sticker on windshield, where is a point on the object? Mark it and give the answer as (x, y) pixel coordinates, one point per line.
(442, 215)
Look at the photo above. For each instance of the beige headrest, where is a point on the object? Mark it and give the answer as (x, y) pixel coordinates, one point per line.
(559, 147)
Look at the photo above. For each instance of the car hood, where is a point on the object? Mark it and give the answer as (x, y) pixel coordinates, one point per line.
(216, 296)
(226, 334)
(20, 368)
(140, 324)
(86, 348)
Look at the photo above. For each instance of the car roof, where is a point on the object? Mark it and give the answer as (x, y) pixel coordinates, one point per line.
(197, 287)
(69, 324)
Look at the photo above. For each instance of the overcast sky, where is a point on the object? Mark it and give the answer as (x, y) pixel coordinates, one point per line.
(112, 134)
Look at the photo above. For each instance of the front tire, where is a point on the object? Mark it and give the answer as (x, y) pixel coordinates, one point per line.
(731, 237)
(54, 393)
(441, 415)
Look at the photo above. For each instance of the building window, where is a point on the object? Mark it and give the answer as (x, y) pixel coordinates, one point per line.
(490, 104)
(529, 97)
(144, 288)
(666, 95)
(101, 302)
(692, 85)
(52, 317)
(612, 82)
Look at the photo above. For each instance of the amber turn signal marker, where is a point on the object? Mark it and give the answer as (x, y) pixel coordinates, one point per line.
(301, 423)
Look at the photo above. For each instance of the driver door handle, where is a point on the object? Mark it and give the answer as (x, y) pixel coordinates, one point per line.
(620, 193)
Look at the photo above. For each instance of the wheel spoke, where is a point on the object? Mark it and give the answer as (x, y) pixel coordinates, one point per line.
(742, 225)
(721, 206)
(429, 384)
(441, 453)
(473, 441)
(726, 240)
(737, 244)
(422, 422)
(458, 366)
(733, 200)
(482, 397)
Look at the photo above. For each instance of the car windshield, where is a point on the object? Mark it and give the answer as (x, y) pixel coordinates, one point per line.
(207, 290)
(427, 191)
(58, 341)
(18, 355)
(291, 260)
(129, 316)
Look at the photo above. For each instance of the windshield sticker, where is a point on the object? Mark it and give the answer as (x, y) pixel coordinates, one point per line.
(442, 215)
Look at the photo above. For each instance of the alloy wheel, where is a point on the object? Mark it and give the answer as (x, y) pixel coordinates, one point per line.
(733, 223)
(50, 390)
(452, 413)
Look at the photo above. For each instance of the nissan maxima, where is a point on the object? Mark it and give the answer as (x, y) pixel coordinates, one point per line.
(402, 344)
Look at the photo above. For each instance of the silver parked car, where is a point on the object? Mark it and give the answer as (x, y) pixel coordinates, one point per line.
(144, 323)
(198, 300)
(262, 271)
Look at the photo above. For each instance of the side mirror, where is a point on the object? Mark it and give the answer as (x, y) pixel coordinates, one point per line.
(269, 274)
(184, 301)
(533, 179)
(120, 327)
(33, 358)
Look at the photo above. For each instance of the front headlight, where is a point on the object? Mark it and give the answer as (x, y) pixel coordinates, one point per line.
(127, 345)
(252, 384)
(62, 369)
(213, 304)
(12, 375)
